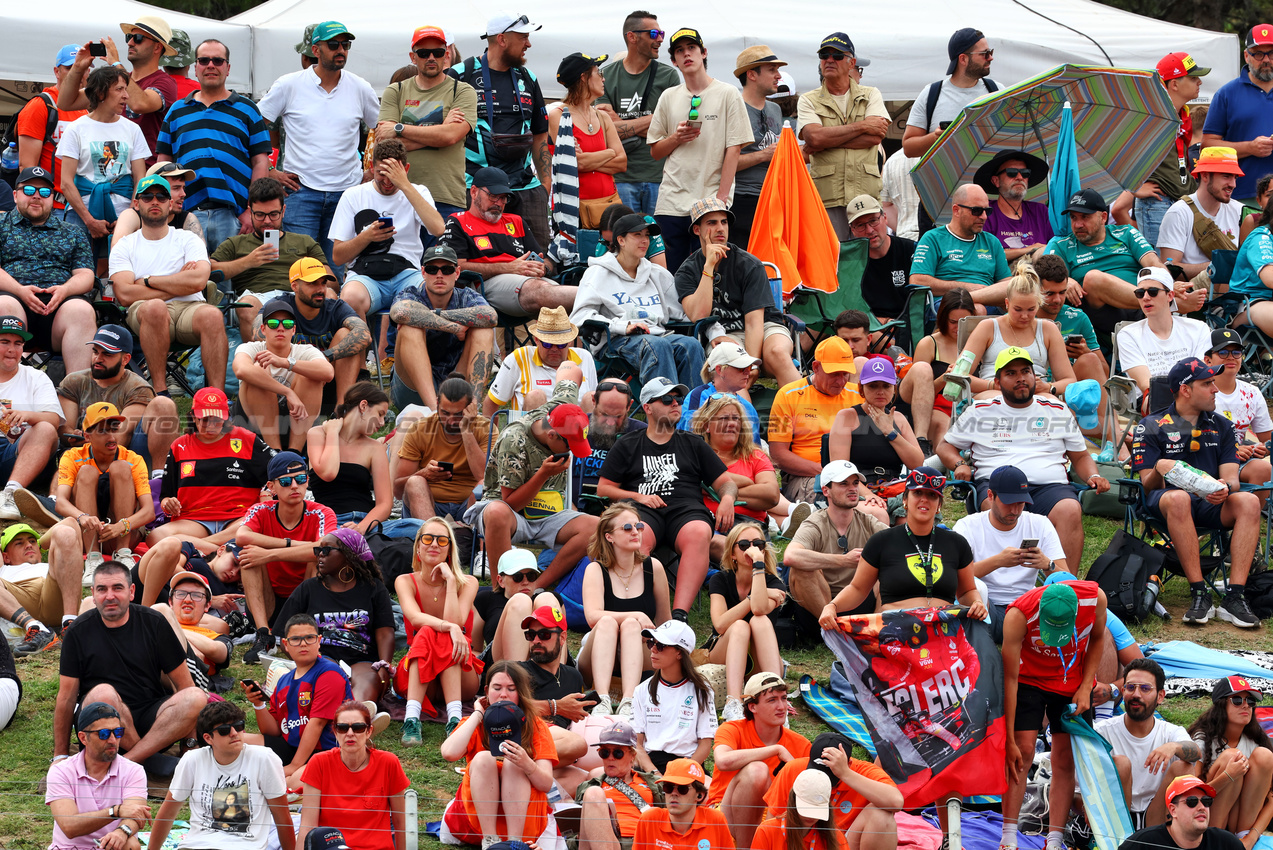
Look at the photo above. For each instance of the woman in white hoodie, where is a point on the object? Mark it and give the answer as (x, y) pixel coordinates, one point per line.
(637, 299)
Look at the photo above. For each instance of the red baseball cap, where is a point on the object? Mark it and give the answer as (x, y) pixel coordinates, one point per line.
(1260, 34)
(210, 401)
(546, 616)
(428, 31)
(1173, 66)
(571, 423)
(1183, 785)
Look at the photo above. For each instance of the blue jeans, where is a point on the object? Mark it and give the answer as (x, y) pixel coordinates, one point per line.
(641, 197)
(672, 356)
(219, 224)
(444, 210)
(383, 292)
(310, 211)
(1149, 213)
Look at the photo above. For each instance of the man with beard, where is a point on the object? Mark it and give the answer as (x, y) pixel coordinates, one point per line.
(327, 323)
(322, 110)
(259, 272)
(442, 329)
(432, 114)
(498, 246)
(1211, 210)
(1036, 434)
(1239, 117)
(443, 456)
(1021, 226)
(528, 373)
(94, 794)
(1188, 801)
(376, 230)
(1148, 751)
(159, 274)
(178, 216)
(46, 270)
(962, 253)
(612, 402)
(100, 481)
(558, 686)
(824, 552)
(126, 656)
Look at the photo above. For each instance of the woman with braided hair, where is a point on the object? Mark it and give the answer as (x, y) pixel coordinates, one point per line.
(349, 602)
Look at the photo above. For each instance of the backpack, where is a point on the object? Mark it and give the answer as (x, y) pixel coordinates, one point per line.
(934, 92)
(1123, 572)
(50, 126)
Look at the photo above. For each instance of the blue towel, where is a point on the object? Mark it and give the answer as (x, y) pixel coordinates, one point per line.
(1188, 660)
(982, 830)
(99, 202)
(1098, 780)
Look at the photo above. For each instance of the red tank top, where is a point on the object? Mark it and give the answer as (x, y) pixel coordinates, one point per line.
(592, 184)
(1054, 669)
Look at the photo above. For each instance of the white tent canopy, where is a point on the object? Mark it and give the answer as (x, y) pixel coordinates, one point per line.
(905, 41)
(26, 66)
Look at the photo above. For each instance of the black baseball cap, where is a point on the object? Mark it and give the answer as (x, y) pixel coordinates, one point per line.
(961, 42)
(1087, 201)
(35, 172)
(503, 722)
(633, 222)
(577, 65)
(14, 325)
(1223, 338)
(493, 180)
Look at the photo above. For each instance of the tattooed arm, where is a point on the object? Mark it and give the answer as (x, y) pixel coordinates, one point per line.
(480, 373)
(354, 343)
(1188, 751)
(543, 159)
(417, 315)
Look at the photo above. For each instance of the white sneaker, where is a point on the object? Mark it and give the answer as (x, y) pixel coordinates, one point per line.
(603, 706)
(8, 508)
(625, 707)
(733, 710)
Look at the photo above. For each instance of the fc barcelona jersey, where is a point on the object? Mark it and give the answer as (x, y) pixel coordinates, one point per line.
(316, 694)
(217, 481)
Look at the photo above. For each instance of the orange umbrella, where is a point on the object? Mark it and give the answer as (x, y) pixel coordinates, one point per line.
(791, 228)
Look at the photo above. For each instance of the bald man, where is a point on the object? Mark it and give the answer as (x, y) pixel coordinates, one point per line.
(962, 254)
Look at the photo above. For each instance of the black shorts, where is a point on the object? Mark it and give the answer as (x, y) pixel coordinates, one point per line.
(1033, 702)
(1205, 514)
(667, 522)
(279, 746)
(41, 327)
(1045, 496)
(144, 716)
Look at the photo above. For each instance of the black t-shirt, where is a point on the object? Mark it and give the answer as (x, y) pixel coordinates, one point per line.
(739, 286)
(899, 558)
(588, 469)
(547, 686)
(130, 658)
(347, 621)
(515, 110)
(675, 471)
(884, 281)
(489, 605)
(319, 330)
(724, 583)
(1158, 837)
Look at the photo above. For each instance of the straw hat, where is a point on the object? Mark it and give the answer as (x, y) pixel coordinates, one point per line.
(554, 325)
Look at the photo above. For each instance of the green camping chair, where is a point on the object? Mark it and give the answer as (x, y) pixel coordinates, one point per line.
(818, 310)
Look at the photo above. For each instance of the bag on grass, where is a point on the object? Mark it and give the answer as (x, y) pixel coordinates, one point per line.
(1123, 571)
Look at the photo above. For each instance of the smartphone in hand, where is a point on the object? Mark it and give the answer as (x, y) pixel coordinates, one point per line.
(271, 238)
(97, 48)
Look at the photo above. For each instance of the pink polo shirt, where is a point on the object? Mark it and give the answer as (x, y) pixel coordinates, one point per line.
(68, 780)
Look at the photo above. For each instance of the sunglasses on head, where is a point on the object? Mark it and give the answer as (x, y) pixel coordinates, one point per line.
(524, 575)
(439, 268)
(216, 61)
(672, 787)
(224, 729)
(543, 635)
(1151, 291)
(286, 480)
(695, 102)
(1193, 800)
(1239, 700)
(833, 55)
(339, 43)
(135, 37)
(42, 191)
(357, 728)
(324, 551)
(655, 35)
(1016, 172)
(751, 544)
(520, 22)
(440, 539)
(607, 753)
(275, 324)
(977, 212)
(105, 734)
(151, 197)
(427, 52)
(925, 481)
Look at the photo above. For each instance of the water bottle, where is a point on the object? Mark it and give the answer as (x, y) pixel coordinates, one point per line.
(1107, 453)
(962, 368)
(1152, 588)
(9, 161)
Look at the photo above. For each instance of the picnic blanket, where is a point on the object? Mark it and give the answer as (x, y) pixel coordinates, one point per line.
(982, 830)
(844, 717)
(1192, 670)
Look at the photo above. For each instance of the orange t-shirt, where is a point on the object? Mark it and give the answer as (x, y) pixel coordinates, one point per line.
(625, 810)
(741, 735)
(846, 804)
(801, 415)
(537, 810)
(33, 120)
(772, 835)
(654, 831)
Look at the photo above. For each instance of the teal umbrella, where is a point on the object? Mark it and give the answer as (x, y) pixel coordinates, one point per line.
(1063, 179)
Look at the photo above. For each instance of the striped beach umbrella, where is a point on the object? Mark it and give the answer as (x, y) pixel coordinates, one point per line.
(1124, 124)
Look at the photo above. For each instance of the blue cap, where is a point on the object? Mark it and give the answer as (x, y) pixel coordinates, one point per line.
(282, 462)
(1189, 370)
(113, 338)
(1084, 398)
(1058, 576)
(1010, 486)
(66, 56)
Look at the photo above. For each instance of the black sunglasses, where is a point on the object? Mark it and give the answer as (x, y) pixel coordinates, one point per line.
(1239, 700)
(224, 729)
(670, 398)
(750, 544)
(436, 268)
(42, 191)
(617, 386)
(833, 55)
(151, 197)
(339, 43)
(524, 575)
(671, 787)
(607, 753)
(655, 35)
(135, 37)
(522, 21)
(651, 643)
(426, 52)
(105, 734)
(541, 634)
(1152, 291)
(324, 551)
(976, 211)
(358, 728)
(205, 61)
(1193, 800)
(1016, 172)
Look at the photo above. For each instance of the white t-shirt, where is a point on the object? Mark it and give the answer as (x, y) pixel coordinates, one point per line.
(14, 573)
(692, 171)
(675, 725)
(1245, 408)
(1006, 584)
(30, 389)
(1124, 743)
(145, 257)
(361, 205)
(1139, 346)
(950, 103)
(300, 350)
(1176, 230)
(254, 777)
(897, 188)
(104, 152)
(1034, 438)
(322, 127)
(523, 371)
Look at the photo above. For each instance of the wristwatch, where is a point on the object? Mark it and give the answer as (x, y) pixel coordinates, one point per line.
(125, 828)
(397, 128)
(146, 282)
(291, 363)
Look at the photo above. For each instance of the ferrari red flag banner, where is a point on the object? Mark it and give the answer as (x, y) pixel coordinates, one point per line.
(930, 684)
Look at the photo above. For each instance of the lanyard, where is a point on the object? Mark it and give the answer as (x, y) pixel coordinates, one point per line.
(925, 560)
(490, 95)
(1074, 656)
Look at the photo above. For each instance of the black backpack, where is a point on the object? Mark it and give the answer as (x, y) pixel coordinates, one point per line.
(1123, 572)
(11, 129)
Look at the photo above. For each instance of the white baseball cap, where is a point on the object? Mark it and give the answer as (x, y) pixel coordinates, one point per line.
(837, 471)
(673, 633)
(505, 21)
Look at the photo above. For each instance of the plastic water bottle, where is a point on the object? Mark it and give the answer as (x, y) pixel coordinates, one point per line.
(9, 159)
(962, 368)
(1152, 588)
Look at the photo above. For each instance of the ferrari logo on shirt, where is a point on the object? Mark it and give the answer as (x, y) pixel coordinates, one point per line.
(236, 445)
(915, 563)
(512, 231)
(187, 468)
(483, 242)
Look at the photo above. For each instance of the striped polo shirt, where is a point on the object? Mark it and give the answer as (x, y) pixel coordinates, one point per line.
(218, 142)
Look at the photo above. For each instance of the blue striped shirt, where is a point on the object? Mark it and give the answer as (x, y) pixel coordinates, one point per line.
(218, 142)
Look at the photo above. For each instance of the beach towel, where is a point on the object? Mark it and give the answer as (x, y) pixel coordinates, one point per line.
(1098, 781)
